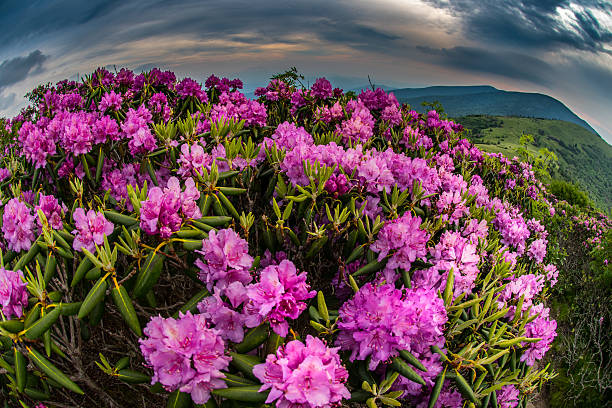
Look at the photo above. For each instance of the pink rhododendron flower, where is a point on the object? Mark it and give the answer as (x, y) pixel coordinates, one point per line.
(280, 294)
(13, 293)
(185, 354)
(379, 321)
(403, 239)
(226, 260)
(91, 227)
(304, 376)
(18, 225)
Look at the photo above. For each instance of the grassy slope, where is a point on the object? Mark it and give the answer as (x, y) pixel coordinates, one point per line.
(584, 158)
(486, 100)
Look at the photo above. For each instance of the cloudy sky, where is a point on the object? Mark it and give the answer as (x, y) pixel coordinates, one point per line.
(557, 47)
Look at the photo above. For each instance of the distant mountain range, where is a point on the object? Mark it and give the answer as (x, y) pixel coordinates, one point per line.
(498, 118)
(487, 100)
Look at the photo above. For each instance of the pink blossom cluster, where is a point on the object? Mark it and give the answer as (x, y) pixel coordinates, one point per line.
(274, 91)
(223, 84)
(542, 327)
(164, 210)
(403, 241)
(91, 227)
(234, 105)
(452, 252)
(136, 129)
(279, 295)
(321, 89)
(35, 144)
(302, 375)
(381, 320)
(377, 99)
(18, 225)
(508, 397)
(185, 354)
(110, 101)
(49, 205)
(226, 260)
(189, 87)
(13, 293)
(359, 127)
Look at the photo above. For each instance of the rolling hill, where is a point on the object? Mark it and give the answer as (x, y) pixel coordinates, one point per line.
(583, 157)
(487, 100)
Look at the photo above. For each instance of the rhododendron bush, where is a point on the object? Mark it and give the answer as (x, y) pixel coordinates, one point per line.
(165, 241)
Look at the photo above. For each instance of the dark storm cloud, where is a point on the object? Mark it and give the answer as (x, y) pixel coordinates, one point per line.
(534, 23)
(17, 69)
(245, 22)
(508, 64)
(7, 101)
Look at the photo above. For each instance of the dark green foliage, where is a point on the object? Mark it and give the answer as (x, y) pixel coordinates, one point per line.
(584, 158)
(569, 192)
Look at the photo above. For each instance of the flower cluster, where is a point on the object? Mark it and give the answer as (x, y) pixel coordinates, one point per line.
(403, 240)
(49, 205)
(380, 320)
(136, 128)
(164, 210)
(13, 293)
(226, 260)
(185, 354)
(280, 294)
(18, 225)
(304, 376)
(91, 227)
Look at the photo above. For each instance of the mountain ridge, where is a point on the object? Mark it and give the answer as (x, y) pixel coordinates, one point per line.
(488, 100)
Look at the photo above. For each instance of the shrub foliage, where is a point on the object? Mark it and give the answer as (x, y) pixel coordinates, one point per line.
(168, 242)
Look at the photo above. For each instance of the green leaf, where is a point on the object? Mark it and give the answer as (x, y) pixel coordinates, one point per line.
(12, 326)
(323, 312)
(389, 401)
(192, 303)
(52, 371)
(191, 233)
(37, 394)
(126, 308)
(245, 363)
(435, 393)
(245, 394)
(42, 325)
(179, 400)
(411, 359)
(192, 244)
(448, 290)
(70, 309)
(149, 274)
(94, 297)
(231, 191)
(100, 165)
(465, 389)
(20, 370)
(228, 205)
(406, 371)
(133, 377)
(27, 258)
(50, 267)
(236, 381)
(32, 316)
(82, 269)
(215, 221)
(316, 246)
(121, 219)
(122, 363)
(372, 267)
(253, 339)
